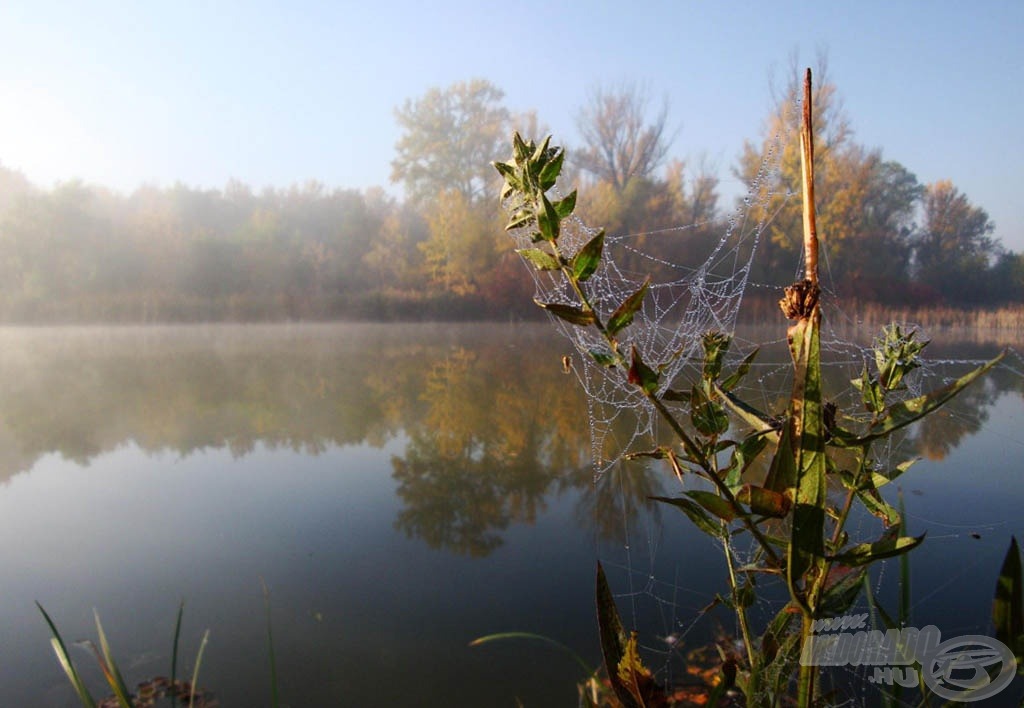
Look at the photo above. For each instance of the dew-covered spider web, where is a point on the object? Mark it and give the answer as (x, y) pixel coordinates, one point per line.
(664, 573)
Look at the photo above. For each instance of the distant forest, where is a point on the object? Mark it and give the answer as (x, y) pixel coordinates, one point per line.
(82, 253)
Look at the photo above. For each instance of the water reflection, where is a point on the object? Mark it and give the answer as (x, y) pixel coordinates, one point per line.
(491, 426)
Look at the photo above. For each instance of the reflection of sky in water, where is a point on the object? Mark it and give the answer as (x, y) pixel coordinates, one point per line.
(363, 613)
(354, 602)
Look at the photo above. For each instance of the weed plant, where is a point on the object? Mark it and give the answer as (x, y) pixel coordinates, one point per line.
(798, 532)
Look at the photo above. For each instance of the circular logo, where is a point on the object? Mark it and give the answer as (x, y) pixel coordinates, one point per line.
(958, 668)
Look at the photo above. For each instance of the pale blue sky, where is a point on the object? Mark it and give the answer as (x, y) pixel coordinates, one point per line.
(121, 93)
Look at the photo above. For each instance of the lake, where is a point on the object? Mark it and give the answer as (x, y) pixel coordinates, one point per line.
(400, 490)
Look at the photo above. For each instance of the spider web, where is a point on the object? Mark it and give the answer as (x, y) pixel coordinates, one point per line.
(684, 303)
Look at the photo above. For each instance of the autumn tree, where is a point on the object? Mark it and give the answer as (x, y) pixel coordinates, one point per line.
(954, 248)
(621, 142)
(461, 247)
(865, 204)
(449, 138)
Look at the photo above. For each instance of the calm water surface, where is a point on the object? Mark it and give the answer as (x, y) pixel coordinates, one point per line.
(401, 490)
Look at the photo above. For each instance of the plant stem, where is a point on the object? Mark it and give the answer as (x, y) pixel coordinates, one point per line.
(741, 610)
(805, 682)
(807, 173)
(719, 484)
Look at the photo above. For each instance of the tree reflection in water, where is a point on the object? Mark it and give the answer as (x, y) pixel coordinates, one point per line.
(492, 427)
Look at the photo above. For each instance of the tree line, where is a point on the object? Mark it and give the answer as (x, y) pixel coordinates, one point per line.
(81, 252)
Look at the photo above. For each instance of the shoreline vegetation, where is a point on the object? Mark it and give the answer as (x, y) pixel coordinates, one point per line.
(1003, 325)
(81, 253)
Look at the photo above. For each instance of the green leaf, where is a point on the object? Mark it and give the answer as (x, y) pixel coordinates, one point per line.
(743, 456)
(715, 345)
(569, 313)
(506, 170)
(604, 358)
(565, 206)
(806, 549)
(61, 650)
(764, 501)
(907, 412)
(623, 314)
(874, 503)
(842, 586)
(782, 470)
(613, 639)
(734, 379)
(110, 670)
(715, 504)
(552, 168)
(547, 220)
(696, 514)
(541, 260)
(520, 219)
(871, 393)
(641, 374)
(520, 149)
(1007, 605)
(708, 416)
(585, 262)
(886, 547)
(540, 152)
(757, 420)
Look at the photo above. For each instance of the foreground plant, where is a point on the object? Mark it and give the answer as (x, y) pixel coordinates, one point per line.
(176, 691)
(794, 530)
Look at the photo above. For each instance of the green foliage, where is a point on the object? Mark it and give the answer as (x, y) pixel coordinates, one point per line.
(810, 443)
(176, 690)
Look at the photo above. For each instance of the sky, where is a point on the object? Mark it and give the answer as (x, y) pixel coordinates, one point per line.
(122, 94)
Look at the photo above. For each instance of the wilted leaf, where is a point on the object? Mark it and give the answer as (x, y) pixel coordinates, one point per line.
(613, 639)
(569, 313)
(641, 374)
(764, 501)
(541, 260)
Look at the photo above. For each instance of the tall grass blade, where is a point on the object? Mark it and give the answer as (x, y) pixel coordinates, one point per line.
(501, 636)
(109, 666)
(65, 661)
(195, 672)
(174, 652)
(274, 699)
